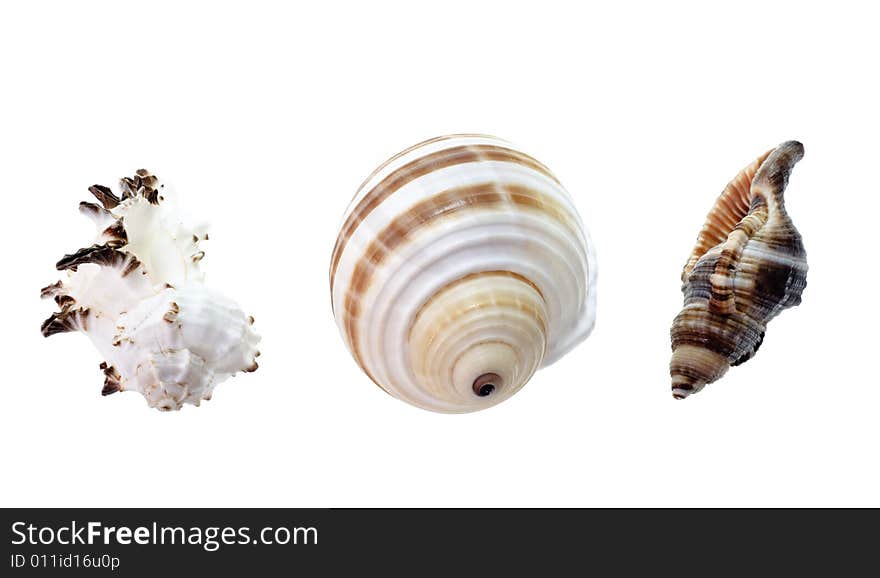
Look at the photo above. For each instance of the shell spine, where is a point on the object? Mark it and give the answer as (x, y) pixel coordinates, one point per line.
(137, 292)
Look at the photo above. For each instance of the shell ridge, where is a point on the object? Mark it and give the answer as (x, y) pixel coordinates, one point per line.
(733, 289)
(470, 197)
(119, 293)
(722, 296)
(420, 167)
(460, 268)
(731, 206)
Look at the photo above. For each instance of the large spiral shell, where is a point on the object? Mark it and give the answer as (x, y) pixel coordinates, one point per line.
(748, 265)
(461, 267)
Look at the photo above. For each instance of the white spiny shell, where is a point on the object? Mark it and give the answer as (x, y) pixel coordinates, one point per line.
(462, 267)
(138, 294)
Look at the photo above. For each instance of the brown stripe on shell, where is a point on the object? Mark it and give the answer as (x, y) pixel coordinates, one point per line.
(64, 301)
(65, 321)
(53, 290)
(513, 304)
(467, 278)
(418, 168)
(112, 379)
(115, 234)
(442, 205)
(770, 180)
(105, 196)
(693, 367)
(729, 209)
(142, 183)
(93, 211)
(724, 337)
(416, 146)
(721, 282)
(172, 313)
(104, 255)
(464, 279)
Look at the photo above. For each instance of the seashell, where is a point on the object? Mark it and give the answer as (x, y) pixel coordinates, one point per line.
(462, 266)
(748, 265)
(138, 293)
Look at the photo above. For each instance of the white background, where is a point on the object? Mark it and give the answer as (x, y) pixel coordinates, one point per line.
(267, 117)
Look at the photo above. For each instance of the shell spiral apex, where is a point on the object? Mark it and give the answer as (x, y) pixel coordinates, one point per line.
(462, 266)
(138, 293)
(748, 265)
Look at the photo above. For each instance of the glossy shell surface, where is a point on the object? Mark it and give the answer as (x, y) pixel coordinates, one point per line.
(749, 264)
(461, 267)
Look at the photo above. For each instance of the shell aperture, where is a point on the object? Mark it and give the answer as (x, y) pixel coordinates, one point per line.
(748, 265)
(137, 292)
(461, 268)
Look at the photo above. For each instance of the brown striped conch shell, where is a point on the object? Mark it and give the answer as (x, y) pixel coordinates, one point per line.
(462, 267)
(748, 265)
